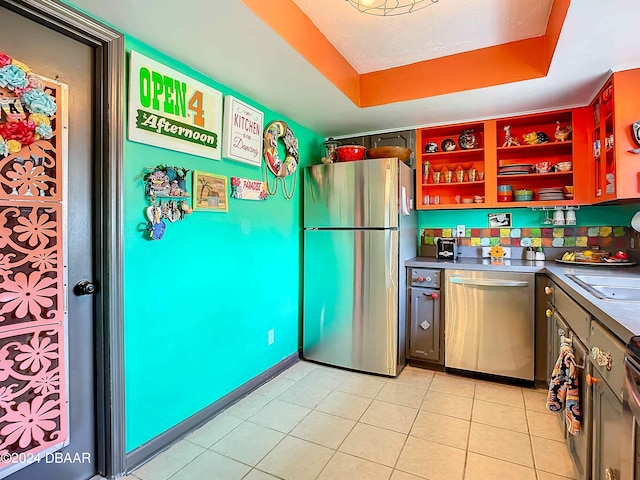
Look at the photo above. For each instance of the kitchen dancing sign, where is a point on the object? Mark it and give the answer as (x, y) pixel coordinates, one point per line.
(242, 135)
(170, 110)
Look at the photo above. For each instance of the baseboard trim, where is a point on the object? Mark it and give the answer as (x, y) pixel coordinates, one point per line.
(145, 452)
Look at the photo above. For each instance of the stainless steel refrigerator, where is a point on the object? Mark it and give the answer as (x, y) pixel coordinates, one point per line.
(359, 228)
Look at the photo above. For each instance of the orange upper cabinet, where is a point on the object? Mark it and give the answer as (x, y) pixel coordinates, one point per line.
(524, 161)
(615, 170)
(450, 165)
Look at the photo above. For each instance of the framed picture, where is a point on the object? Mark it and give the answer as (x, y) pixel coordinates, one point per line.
(499, 220)
(242, 133)
(210, 192)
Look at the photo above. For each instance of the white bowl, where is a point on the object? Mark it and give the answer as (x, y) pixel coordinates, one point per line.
(635, 222)
(564, 166)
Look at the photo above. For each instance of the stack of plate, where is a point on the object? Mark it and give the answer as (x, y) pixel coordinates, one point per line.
(551, 194)
(610, 188)
(515, 169)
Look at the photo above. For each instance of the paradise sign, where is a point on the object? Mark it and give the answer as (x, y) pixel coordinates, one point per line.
(170, 110)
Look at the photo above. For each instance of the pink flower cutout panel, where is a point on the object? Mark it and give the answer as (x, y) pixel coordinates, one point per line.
(31, 284)
(32, 390)
(33, 403)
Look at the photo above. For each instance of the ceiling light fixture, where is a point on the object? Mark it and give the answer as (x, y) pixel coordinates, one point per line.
(385, 8)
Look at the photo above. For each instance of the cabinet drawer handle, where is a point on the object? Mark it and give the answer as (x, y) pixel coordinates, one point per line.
(548, 313)
(603, 359)
(609, 474)
(548, 290)
(591, 380)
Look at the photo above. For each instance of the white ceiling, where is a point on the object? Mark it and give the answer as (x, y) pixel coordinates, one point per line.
(227, 42)
(371, 43)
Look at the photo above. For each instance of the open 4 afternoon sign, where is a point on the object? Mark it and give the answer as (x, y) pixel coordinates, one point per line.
(170, 110)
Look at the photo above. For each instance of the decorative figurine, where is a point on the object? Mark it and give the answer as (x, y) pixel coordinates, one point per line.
(158, 183)
(562, 134)
(535, 138)
(467, 140)
(509, 141)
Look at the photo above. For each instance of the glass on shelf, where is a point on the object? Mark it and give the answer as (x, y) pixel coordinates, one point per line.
(471, 174)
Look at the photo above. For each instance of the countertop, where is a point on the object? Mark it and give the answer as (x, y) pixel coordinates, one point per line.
(621, 317)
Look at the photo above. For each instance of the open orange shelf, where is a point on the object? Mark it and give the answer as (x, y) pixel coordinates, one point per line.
(490, 155)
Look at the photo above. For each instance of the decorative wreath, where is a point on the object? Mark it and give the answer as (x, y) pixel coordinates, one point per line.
(14, 133)
(274, 131)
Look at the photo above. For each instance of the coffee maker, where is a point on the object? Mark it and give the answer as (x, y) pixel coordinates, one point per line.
(446, 248)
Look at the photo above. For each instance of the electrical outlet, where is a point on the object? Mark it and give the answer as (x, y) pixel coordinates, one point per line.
(460, 231)
(271, 337)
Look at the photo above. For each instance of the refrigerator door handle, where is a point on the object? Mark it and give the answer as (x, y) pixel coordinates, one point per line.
(388, 265)
(405, 206)
(487, 282)
(387, 194)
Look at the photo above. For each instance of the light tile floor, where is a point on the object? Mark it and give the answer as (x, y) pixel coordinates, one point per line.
(314, 422)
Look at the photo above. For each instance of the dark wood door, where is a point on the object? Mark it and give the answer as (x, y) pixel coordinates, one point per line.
(47, 341)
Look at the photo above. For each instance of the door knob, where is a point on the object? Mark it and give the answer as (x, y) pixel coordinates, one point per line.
(548, 313)
(591, 380)
(85, 287)
(548, 290)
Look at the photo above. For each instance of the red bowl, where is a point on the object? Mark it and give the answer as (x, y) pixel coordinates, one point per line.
(349, 153)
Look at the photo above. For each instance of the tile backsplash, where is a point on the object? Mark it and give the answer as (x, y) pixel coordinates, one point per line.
(614, 237)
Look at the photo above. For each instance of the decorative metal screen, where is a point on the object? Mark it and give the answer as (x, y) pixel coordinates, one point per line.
(33, 392)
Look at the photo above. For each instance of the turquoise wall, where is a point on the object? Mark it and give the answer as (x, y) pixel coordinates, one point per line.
(618, 215)
(198, 303)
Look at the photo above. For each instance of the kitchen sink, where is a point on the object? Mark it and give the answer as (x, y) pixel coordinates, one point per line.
(625, 289)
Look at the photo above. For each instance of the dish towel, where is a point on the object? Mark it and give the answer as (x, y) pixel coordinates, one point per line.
(563, 389)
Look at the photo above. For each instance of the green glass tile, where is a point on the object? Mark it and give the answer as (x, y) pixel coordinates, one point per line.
(569, 241)
(536, 233)
(619, 231)
(493, 241)
(428, 241)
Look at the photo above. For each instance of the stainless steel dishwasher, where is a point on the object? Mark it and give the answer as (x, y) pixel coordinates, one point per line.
(490, 322)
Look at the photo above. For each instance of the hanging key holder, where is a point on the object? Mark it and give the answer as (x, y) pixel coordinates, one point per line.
(166, 191)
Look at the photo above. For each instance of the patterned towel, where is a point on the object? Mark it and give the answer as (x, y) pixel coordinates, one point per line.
(563, 388)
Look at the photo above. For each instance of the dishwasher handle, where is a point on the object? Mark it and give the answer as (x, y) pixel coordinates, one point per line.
(479, 282)
(632, 378)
